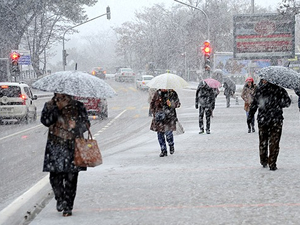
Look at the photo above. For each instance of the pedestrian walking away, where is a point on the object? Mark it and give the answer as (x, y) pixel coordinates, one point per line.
(269, 99)
(67, 119)
(205, 101)
(228, 92)
(247, 96)
(163, 108)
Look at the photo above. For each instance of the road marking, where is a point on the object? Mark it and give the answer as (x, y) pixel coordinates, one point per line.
(110, 123)
(20, 132)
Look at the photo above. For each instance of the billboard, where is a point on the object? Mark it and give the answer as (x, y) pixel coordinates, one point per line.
(264, 36)
(231, 66)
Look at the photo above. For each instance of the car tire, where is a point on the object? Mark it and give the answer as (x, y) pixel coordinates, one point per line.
(24, 119)
(104, 113)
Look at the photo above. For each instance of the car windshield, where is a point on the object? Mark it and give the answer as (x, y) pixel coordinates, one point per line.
(10, 91)
(148, 78)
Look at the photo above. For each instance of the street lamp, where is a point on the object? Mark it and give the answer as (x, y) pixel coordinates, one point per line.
(64, 53)
(208, 27)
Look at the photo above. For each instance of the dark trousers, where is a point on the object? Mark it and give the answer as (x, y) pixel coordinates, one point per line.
(207, 112)
(269, 136)
(162, 140)
(227, 101)
(64, 186)
(252, 121)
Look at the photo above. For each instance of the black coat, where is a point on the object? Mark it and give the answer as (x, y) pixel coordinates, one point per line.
(59, 152)
(269, 99)
(158, 103)
(205, 96)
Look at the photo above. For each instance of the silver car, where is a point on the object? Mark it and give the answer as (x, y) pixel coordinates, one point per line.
(16, 102)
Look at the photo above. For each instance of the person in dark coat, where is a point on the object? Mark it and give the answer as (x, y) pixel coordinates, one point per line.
(269, 99)
(228, 92)
(205, 101)
(67, 119)
(163, 108)
(247, 96)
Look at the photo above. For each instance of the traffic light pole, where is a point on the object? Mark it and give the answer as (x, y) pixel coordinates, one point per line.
(208, 26)
(64, 53)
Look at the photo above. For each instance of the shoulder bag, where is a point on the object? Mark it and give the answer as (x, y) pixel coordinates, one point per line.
(87, 152)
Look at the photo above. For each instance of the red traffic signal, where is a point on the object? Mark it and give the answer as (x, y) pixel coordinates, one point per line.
(14, 56)
(206, 47)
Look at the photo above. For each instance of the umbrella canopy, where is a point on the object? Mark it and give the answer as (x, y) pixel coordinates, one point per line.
(231, 84)
(281, 76)
(167, 81)
(212, 83)
(75, 83)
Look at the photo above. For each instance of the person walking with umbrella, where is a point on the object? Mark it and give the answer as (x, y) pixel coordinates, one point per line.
(67, 119)
(247, 96)
(163, 107)
(205, 101)
(269, 99)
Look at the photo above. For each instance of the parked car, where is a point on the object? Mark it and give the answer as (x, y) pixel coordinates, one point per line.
(125, 74)
(16, 102)
(95, 106)
(99, 72)
(141, 81)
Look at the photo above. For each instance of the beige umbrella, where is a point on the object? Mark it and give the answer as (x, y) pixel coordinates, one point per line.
(167, 81)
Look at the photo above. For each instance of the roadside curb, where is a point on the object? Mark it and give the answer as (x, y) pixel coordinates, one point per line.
(23, 209)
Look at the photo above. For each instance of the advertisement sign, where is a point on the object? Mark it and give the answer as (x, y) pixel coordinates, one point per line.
(264, 36)
(231, 66)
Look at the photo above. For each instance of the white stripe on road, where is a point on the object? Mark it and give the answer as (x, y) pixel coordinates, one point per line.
(20, 132)
(110, 123)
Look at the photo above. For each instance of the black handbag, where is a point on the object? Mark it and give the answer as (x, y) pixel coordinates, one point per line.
(160, 116)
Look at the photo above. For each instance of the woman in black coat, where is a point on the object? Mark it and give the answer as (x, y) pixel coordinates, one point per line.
(67, 119)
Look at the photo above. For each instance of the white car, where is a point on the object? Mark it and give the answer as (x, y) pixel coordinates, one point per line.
(125, 74)
(16, 102)
(142, 81)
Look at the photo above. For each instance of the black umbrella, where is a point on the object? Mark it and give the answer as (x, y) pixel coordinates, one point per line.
(281, 76)
(230, 83)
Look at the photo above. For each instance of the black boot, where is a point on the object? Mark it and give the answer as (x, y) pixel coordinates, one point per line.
(253, 130)
(163, 153)
(249, 128)
(60, 205)
(172, 150)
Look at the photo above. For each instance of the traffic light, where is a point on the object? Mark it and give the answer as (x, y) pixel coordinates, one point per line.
(206, 50)
(14, 62)
(108, 12)
(14, 56)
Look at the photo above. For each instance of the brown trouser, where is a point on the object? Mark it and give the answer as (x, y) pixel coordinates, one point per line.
(269, 135)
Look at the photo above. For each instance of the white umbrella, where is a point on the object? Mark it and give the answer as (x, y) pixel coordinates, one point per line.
(167, 81)
(282, 76)
(75, 83)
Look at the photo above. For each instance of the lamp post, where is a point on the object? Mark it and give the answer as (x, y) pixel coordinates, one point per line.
(208, 26)
(64, 53)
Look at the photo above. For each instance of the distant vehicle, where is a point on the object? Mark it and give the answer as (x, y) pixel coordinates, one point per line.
(99, 72)
(95, 106)
(125, 74)
(16, 102)
(141, 82)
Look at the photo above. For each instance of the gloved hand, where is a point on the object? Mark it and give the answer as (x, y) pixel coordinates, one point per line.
(196, 106)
